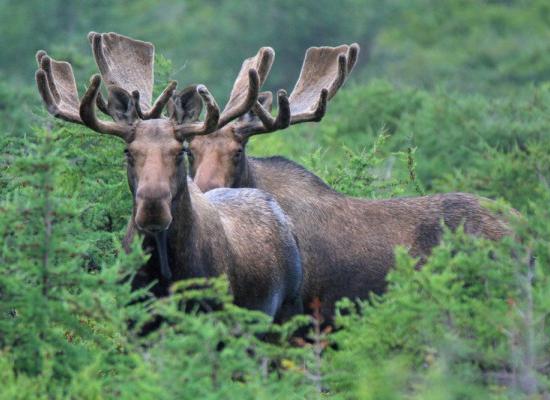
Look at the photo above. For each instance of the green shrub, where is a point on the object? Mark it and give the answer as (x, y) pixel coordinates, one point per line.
(65, 309)
(457, 100)
(469, 324)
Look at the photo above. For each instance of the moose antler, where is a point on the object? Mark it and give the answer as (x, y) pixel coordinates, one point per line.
(211, 120)
(254, 71)
(57, 87)
(56, 84)
(128, 64)
(324, 71)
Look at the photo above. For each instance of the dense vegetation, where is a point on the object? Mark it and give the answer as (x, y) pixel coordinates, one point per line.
(449, 96)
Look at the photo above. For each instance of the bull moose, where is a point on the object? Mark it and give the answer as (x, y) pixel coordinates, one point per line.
(347, 244)
(242, 233)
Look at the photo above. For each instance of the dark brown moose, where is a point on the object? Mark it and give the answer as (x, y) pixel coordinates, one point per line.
(347, 244)
(239, 232)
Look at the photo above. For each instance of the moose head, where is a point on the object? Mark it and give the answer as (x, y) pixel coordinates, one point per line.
(218, 160)
(154, 142)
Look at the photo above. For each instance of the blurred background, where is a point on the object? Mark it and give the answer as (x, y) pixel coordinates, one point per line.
(474, 46)
(436, 76)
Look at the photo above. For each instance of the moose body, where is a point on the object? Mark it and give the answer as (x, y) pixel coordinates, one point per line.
(347, 244)
(351, 241)
(241, 233)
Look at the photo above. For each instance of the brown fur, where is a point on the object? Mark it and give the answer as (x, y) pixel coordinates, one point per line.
(241, 233)
(324, 71)
(347, 244)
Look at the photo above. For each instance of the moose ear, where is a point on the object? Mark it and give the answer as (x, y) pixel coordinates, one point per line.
(121, 106)
(266, 100)
(185, 106)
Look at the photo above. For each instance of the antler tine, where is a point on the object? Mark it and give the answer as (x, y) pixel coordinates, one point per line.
(128, 64)
(135, 96)
(211, 120)
(57, 87)
(323, 68)
(102, 104)
(242, 101)
(266, 57)
(315, 113)
(89, 118)
(161, 101)
(268, 123)
(42, 55)
(324, 71)
(353, 54)
(253, 73)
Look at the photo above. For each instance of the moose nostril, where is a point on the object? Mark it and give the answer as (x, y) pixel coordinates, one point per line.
(153, 228)
(145, 224)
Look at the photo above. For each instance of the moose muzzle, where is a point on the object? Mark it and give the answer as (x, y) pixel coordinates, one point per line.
(153, 216)
(153, 213)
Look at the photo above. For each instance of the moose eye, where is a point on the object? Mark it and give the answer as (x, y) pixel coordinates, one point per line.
(237, 156)
(129, 156)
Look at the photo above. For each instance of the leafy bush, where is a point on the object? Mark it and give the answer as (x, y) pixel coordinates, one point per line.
(64, 330)
(457, 99)
(469, 324)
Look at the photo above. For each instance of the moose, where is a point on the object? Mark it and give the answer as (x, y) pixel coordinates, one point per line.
(242, 233)
(347, 244)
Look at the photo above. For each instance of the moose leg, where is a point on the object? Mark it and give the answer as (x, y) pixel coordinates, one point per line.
(289, 308)
(269, 304)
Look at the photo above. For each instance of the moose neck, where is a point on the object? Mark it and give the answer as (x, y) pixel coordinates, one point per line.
(182, 233)
(244, 176)
(189, 238)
